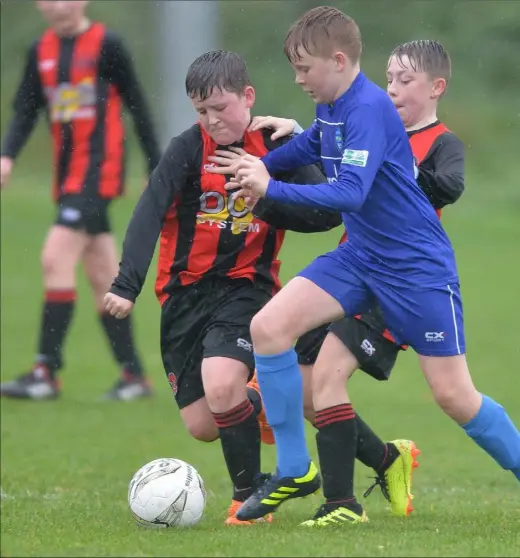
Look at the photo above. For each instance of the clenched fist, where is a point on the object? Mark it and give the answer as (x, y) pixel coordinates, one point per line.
(117, 305)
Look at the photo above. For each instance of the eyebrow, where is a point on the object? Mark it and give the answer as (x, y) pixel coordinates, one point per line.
(222, 104)
(399, 72)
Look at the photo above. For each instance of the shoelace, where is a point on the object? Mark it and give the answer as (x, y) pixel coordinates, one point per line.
(378, 481)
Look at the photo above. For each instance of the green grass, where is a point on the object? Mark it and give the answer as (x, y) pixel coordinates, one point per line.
(66, 464)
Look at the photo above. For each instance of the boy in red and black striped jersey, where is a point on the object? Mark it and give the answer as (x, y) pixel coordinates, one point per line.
(218, 264)
(418, 73)
(81, 74)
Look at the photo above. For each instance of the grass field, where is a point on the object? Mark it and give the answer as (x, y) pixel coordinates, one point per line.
(66, 465)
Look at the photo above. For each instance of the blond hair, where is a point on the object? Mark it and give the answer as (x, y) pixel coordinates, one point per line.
(320, 32)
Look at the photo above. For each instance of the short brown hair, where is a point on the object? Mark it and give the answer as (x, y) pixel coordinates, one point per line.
(217, 69)
(425, 56)
(322, 30)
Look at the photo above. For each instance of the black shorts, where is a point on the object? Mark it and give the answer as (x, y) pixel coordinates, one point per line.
(83, 213)
(375, 353)
(207, 319)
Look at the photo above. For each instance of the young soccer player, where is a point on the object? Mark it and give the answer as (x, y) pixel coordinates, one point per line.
(218, 265)
(397, 255)
(418, 74)
(81, 74)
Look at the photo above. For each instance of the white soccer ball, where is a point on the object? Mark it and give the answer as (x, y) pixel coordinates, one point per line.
(167, 493)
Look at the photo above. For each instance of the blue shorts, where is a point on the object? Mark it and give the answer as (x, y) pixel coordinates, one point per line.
(429, 319)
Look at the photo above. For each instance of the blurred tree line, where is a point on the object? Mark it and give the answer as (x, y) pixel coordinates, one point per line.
(483, 37)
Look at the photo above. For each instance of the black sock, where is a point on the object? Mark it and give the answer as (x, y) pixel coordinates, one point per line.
(240, 439)
(56, 318)
(256, 400)
(337, 446)
(371, 450)
(119, 333)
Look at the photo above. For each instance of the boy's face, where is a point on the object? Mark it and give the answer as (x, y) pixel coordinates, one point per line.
(64, 16)
(224, 115)
(414, 94)
(319, 77)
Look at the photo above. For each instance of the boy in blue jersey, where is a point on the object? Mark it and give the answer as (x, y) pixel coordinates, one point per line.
(397, 255)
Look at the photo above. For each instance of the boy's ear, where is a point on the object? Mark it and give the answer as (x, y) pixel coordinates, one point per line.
(250, 95)
(438, 87)
(340, 59)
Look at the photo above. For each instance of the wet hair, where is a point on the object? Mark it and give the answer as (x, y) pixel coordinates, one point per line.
(320, 32)
(217, 69)
(425, 56)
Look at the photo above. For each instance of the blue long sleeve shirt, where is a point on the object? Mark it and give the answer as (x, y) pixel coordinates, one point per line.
(393, 230)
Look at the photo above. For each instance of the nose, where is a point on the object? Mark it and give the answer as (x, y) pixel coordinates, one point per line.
(213, 119)
(298, 79)
(391, 89)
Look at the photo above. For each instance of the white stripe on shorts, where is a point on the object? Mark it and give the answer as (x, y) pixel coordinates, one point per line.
(454, 319)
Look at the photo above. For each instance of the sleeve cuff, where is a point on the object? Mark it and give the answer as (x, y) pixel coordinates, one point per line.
(123, 293)
(297, 128)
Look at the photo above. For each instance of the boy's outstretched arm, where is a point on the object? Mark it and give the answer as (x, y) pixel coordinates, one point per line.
(445, 183)
(364, 151)
(294, 218)
(165, 184)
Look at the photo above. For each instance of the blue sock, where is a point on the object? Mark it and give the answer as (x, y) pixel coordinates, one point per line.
(282, 393)
(495, 433)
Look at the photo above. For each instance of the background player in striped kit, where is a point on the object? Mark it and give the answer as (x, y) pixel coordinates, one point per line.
(81, 74)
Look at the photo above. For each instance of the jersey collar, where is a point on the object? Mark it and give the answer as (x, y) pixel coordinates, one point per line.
(349, 93)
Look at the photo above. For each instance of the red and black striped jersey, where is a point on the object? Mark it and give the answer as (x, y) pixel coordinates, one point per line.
(439, 156)
(203, 231)
(82, 82)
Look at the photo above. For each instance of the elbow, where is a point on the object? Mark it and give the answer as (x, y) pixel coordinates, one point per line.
(334, 221)
(454, 193)
(350, 195)
(458, 191)
(326, 220)
(351, 205)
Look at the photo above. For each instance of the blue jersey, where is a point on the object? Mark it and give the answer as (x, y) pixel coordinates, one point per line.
(393, 230)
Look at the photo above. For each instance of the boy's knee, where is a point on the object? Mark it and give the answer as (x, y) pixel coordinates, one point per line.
(225, 395)
(459, 404)
(58, 273)
(260, 329)
(202, 431)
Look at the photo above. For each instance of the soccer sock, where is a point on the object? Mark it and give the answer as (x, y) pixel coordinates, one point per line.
(256, 400)
(119, 333)
(240, 439)
(282, 393)
(337, 446)
(371, 450)
(56, 317)
(493, 430)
